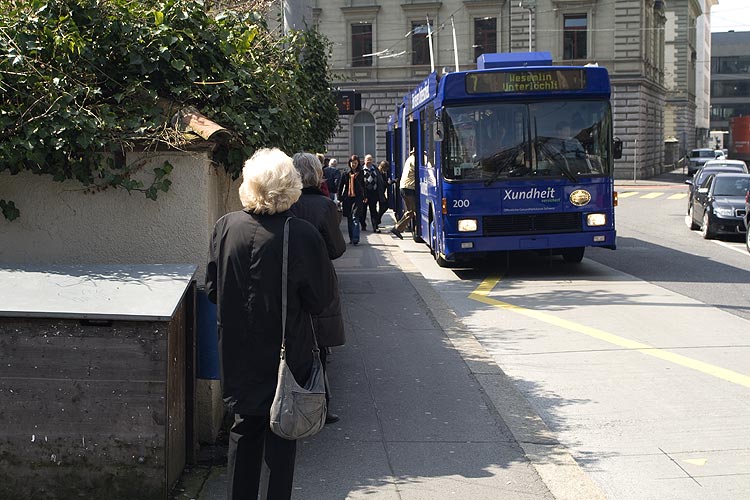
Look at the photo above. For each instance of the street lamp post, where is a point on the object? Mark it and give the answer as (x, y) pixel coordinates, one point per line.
(529, 6)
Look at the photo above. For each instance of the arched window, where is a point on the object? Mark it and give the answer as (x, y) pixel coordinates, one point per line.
(363, 134)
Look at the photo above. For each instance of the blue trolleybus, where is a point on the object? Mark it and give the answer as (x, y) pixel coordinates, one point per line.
(515, 155)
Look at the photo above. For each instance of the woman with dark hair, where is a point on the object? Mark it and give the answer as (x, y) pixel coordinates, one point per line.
(243, 278)
(351, 193)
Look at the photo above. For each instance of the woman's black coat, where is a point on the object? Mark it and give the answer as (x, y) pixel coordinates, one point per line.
(243, 278)
(321, 212)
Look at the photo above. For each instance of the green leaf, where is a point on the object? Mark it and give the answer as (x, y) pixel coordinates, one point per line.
(9, 210)
(247, 39)
(158, 17)
(178, 64)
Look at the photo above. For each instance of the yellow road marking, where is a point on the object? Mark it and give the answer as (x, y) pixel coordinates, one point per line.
(481, 294)
(678, 196)
(627, 194)
(651, 195)
(696, 461)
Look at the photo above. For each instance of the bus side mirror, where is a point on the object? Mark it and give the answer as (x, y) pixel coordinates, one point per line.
(437, 132)
(617, 148)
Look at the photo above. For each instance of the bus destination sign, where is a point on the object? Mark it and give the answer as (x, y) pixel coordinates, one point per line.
(536, 80)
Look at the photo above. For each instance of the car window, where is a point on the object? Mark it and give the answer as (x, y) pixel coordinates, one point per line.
(707, 182)
(702, 153)
(731, 186)
(701, 176)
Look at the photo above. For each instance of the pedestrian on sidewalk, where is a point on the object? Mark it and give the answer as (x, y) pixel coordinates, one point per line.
(351, 193)
(321, 212)
(408, 194)
(323, 186)
(243, 280)
(385, 176)
(332, 175)
(373, 193)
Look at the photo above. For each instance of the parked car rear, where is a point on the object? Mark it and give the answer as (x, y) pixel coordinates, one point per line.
(697, 158)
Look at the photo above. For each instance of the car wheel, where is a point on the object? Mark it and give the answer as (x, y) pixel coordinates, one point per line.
(693, 225)
(706, 227)
(573, 255)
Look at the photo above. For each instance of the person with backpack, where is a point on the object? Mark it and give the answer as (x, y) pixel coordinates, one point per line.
(374, 193)
(332, 176)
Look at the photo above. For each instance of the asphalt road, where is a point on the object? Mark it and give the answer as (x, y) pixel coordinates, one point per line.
(655, 244)
(636, 358)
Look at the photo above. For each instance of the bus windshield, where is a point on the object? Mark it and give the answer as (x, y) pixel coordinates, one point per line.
(492, 141)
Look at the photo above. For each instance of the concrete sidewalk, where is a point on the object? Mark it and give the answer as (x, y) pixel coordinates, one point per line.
(425, 412)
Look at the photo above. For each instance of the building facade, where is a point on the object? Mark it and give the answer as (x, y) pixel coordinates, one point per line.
(383, 48)
(730, 79)
(687, 72)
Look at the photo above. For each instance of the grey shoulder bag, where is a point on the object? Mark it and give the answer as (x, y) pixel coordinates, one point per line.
(297, 411)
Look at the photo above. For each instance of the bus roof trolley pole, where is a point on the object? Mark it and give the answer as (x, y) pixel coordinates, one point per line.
(516, 155)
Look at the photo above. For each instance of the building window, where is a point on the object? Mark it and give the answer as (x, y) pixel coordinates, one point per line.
(575, 31)
(420, 46)
(361, 44)
(730, 88)
(730, 65)
(726, 111)
(363, 135)
(485, 36)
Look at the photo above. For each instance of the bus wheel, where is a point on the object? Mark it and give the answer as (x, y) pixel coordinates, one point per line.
(433, 238)
(414, 234)
(573, 255)
(441, 261)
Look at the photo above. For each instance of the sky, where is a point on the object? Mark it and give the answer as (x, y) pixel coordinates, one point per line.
(730, 15)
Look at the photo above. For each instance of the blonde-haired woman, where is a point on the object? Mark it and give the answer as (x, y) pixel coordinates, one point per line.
(243, 278)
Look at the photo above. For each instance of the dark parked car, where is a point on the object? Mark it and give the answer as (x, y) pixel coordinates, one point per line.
(747, 220)
(697, 158)
(712, 167)
(719, 205)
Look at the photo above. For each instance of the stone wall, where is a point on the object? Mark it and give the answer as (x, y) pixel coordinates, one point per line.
(638, 121)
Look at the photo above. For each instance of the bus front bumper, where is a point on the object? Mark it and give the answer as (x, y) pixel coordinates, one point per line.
(457, 247)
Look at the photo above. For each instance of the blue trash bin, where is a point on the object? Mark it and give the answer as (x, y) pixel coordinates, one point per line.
(208, 339)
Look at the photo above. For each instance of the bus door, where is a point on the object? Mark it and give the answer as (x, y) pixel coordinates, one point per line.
(397, 163)
(416, 143)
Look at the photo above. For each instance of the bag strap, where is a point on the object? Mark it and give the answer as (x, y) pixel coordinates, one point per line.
(284, 291)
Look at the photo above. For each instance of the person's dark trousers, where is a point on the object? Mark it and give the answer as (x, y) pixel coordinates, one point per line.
(382, 209)
(250, 441)
(408, 195)
(372, 204)
(352, 207)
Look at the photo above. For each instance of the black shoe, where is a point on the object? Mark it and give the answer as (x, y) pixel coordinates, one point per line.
(396, 232)
(331, 418)
(377, 230)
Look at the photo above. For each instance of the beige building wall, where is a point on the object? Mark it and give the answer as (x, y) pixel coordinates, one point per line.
(62, 223)
(627, 37)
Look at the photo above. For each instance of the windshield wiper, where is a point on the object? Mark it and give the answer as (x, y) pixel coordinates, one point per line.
(511, 157)
(564, 168)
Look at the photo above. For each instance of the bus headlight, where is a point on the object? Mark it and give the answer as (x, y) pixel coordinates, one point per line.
(596, 220)
(467, 225)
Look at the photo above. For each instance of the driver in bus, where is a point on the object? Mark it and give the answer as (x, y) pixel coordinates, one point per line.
(570, 144)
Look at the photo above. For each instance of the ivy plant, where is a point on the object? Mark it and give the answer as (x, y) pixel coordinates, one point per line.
(85, 81)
